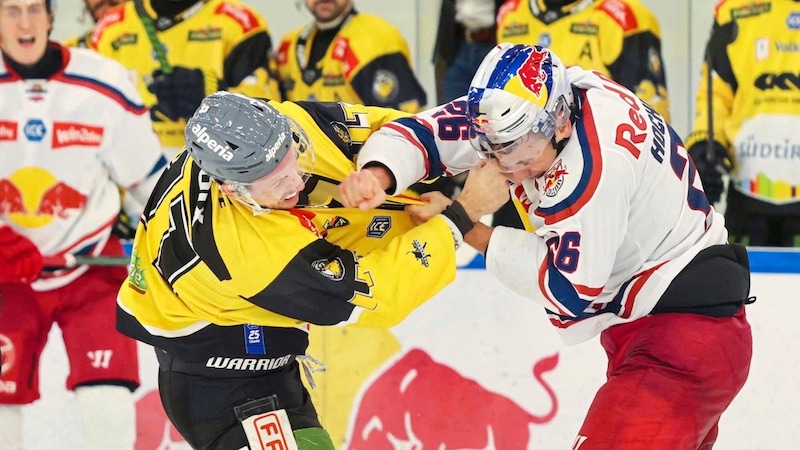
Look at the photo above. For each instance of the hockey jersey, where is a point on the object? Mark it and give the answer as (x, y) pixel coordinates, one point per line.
(756, 96)
(617, 216)
(357, 67)
(225, 36)
(203, 265)
(618, 38)
(67, 143)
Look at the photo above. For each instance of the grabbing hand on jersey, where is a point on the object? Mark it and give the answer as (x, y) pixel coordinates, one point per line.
(180, 92)
(435, 203)
(711, 166)
(366, 188)
(20, 260)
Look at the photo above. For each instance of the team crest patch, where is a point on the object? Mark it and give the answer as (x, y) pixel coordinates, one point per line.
(331, 269)
(554, 179)
(343, 133)
(420, 254)
(379, 226)
(336, 222)
(385, 85)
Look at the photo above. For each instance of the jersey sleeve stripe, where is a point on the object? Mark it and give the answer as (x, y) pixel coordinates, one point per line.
(412, 139)
(104, 89)
(424, 134)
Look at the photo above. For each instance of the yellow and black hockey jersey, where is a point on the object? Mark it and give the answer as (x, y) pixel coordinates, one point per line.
(367, 61)
(618, 38)
(204, 268)
(755, 104)
(225, 36)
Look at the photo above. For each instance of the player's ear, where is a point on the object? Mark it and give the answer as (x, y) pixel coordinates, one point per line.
(564, 130)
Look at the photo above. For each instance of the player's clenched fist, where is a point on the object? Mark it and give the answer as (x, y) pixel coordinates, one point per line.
(366, 188)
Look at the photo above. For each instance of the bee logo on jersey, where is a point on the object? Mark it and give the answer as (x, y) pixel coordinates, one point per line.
(384, 86)
(331, 269)
(343, 133)
(420, 254)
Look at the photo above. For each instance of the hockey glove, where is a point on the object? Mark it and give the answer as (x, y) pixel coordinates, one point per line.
(179, 93)
(711, 165)
(20, 260)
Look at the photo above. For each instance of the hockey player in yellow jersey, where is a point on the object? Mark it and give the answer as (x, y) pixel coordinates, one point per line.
(184, 50)
(230, 265)
(349, 56)
(754, 114)
(619, 38)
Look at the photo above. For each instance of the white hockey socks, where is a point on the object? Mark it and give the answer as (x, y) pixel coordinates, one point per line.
(108, 416)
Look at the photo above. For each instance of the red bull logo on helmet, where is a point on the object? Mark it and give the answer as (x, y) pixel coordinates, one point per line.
(532, 75)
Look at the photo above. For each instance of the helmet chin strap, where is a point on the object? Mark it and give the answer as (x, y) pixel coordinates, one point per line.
(574, 115)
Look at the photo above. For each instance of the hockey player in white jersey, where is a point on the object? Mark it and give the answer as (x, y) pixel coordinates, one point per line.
(73, 131)
(621, 240)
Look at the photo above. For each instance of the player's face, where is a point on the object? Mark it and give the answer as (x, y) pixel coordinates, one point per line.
(281, 188)
(327, 10)
(98, 8)
(24, 26)
(533, 168)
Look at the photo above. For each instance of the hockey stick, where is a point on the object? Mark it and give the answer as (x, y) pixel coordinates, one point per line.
(68, 261)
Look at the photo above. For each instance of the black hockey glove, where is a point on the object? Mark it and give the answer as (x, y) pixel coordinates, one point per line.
(711, 165)
(179, 93)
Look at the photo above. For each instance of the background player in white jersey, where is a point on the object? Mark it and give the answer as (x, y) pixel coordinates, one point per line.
(73, 130)
(625, 245)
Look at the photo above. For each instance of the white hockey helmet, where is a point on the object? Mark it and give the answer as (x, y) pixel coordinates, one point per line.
(519, 94)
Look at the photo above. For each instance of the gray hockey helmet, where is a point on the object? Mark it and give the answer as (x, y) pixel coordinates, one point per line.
(237, 138)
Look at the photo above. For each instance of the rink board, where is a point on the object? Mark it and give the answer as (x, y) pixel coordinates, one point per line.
(477, 367)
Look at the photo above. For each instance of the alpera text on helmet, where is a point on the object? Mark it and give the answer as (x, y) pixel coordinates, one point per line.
(203, 138)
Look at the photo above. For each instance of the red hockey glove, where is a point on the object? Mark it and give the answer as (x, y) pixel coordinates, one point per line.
(20, 260)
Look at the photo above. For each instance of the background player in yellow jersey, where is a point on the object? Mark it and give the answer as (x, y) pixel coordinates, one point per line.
(94, 10)
(619, 38)
(184, 50)
(349, 56)
(228, 267)
(754, 117)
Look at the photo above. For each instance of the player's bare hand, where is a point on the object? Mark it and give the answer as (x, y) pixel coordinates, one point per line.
(485, 190)
(435, 203)
(361, 190)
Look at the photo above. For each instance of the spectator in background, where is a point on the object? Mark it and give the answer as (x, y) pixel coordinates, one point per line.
(184, 50)
(94, 9)
(619, 38)
(73, 130)
(466, 33)
(748, 124)
(348, 56)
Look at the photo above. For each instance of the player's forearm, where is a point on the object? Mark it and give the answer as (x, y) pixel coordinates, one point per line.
(478, 237)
